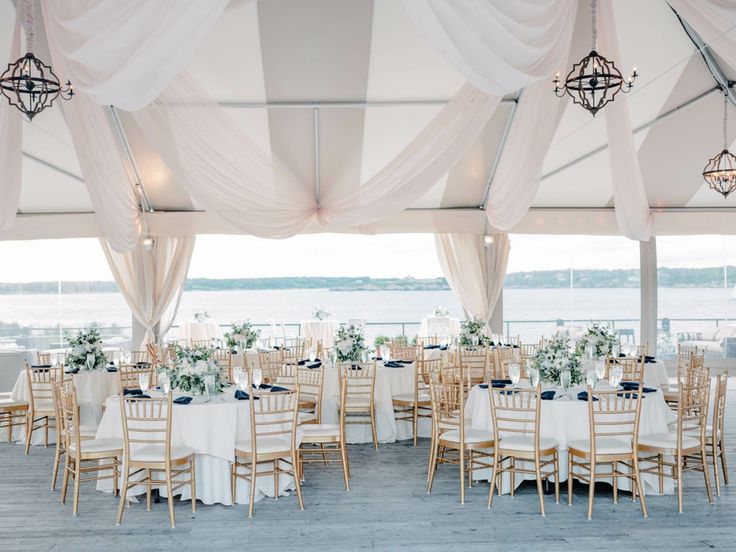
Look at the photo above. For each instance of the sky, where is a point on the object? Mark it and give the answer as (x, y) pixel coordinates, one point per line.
(377, 256)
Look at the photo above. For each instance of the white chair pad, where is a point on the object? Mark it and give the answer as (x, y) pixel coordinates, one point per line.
(94, 446)
(603, 445)
(667, 441)
(306, 417)
(525, 443)
(87, 430)
(358, 402)
(157, 453)
(409, 397)
(266, 445)
(320, 430)
(471, 436)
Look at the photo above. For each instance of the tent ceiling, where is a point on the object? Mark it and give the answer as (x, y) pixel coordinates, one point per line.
(337, 88)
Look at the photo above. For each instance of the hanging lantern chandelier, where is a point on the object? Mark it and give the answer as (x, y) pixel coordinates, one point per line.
(594, 80)
(29, 84)
(720, 172)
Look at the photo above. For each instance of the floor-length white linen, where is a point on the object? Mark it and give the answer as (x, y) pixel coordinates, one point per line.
(320, 331)
(125, 53)
(566, 420)
(198, 331)
(475, 270)
(431, 326)
(211, 429)
(499, 46)
(153, 280)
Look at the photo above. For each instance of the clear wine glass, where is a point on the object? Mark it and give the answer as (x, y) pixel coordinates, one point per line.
(312, 354)
(514, 373)
(565, 380)
(209, 385)
(614, 378)
(257, 377)
(243, 385)
(386, 356)
(589, 351)
(533, 376)
(616, 349)
(144, 380)
(591, 378)
(165, 382)
(237, 375)
(600, 369)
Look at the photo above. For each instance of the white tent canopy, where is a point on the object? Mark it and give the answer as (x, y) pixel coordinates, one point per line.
(336, 89)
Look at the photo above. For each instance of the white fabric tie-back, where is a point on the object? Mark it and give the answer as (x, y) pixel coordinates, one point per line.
(125, 52)
(475, 271)
(152, 281)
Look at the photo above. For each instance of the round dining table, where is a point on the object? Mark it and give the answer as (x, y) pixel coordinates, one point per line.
(566, 419)
(211, 428)
(320, 331)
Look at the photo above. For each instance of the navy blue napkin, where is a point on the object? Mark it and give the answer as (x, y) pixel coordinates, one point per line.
(243, 396)
(41, 366)
(316, 364)
(393, 364)
(112, 368)
(483, 386)
(405, 361)
(355, 367)
(183, 400)
(141, 396)
(629, 395)
(426, 347)
(504, 381)
(548, 395)
(583, 396)
(72, 371)
(494, 384)
(649, 359)
(276, 388)
(307, 361)
(132, 392)
(262, 386)
(629, 385)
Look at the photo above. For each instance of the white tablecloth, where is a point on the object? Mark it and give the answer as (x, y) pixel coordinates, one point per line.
(93, 388)
(389, 382)
(197, 331)
(211, 429)
(320, 330)
(424, 326)
(567, 420)
(655, 374)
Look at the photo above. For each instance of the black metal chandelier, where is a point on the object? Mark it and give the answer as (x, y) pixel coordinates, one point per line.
(594, 81)
(720, 172)
(29, 84)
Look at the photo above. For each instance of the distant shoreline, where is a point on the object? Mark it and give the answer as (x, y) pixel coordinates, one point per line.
(709, 277)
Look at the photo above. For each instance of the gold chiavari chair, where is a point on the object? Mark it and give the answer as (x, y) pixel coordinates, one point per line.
(423, 341)
(527, 351)
(714, 437)
(224, 360)
(687, 444)
(148, 450)
(111, 355)
(12, 414)
(613, 419)
(516, 427)
(84, 455)
(642, 350)
(140, 356)
(401, 341)
(203, 343)
(452, 441)
(321, 436)
(311, 384)
(632, 368)
(273, 421)
(410, 407)
(44, 359)
(287, 376)
(270, 363)
(475, 362)
(129, 376)
(689, 363)
(41, 410)
(506, 353)
(360, 407)
(155, 353)
(405, 353)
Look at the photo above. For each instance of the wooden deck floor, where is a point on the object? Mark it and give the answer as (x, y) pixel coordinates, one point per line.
(387, 509)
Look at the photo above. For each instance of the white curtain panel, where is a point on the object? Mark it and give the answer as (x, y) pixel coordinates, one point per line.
(629, 196)
(499, 46)
(474, 270)
(152, 281)
(124, 53)
(714, 21)
(11, 143)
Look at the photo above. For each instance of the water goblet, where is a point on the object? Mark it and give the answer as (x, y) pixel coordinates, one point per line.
(565, 380)
(209, 385)
(616, 349)
(312, 354)
(144, 380)
(591, 378)
(600, 369)
(237, 375)
(165, 382)
(514, 373)
(614, 378)
(386, 354)
(533, 376)
(257, 377)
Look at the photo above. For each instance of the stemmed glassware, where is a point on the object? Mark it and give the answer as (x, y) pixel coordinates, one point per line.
(615, 375)
(257, 377)
(600, 368)
(533, 375)
(591, 378)
(144, 380)
(312, 354)
(209, 385)
(165, 382)
(514, 373)
(565, 380)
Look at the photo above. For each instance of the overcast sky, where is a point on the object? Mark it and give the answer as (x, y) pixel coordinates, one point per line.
(395, 255)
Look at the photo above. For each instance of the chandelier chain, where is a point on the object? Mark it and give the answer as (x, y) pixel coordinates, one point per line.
(593, 18)
(725, 121)
(29, 23)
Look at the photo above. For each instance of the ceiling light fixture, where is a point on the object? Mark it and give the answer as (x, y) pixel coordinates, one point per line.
(720, 172)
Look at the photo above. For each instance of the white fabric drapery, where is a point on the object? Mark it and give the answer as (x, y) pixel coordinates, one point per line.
(714, 21)
(152, 281)
(474, 270)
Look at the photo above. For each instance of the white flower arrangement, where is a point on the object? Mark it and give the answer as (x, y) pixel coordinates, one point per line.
(320, 313)
(601, 338)
(556, 357)
(86, 351)
(349, 344)
(189, 369)
(472, 332)
(440, 311)
(242, 335)
(201, 316)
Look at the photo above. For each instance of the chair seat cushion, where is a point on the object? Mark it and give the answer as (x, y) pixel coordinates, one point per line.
(304, 417)
(603, 445)
(320, 430)
(87, 430)
(95, 446)
(471, 436)
(667, 441)
(525, 443)
(265, 445)
(409, 397)
(358, 402)
(157, 453)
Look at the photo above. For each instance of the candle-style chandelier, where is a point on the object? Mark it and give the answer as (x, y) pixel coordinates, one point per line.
(720, 172)
(29, 84)
(594, 81)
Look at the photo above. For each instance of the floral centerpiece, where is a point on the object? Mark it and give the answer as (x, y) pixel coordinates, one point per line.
(440, 311)
(472, 332)
(201, 316)
(242, 335)
(349, 344)
(320, 313)
(190, 368)
(86, 351)
(556, 357)
(600, 338)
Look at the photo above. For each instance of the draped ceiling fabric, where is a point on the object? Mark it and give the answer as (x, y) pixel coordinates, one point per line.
(714, 21)
(475, 270)
(11, 143)
(152, 281)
